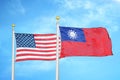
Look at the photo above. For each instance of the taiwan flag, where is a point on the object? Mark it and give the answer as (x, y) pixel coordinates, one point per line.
(85, 42)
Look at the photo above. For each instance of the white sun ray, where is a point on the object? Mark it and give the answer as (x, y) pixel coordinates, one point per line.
(72, 34)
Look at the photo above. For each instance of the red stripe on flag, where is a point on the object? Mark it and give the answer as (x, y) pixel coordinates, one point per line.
(22, 50)
(46, 47)
(29, 54)
(25, 59)
(41, 39)
(44, 34)
(46, 43)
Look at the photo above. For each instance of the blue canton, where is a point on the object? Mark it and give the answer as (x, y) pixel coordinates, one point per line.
(75, 34)
(25, 40)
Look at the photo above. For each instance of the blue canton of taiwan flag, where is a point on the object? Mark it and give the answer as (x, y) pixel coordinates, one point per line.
(72, 34)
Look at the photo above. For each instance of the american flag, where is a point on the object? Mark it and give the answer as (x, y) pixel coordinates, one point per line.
(35, 46)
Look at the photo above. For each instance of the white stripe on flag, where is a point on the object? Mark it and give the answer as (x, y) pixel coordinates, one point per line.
(45, 37)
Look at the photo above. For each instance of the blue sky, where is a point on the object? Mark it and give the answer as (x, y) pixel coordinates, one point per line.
(38, 16)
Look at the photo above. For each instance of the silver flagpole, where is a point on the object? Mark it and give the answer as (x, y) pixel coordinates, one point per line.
(13, 57)
(57, 48)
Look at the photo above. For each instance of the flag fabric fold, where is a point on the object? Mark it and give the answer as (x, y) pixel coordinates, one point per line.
(85, 42)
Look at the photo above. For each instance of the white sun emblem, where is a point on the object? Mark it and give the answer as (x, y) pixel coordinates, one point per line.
(72, 34)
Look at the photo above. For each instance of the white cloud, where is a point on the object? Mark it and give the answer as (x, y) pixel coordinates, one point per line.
(88, 5)
(117, 1)
(75, 4)
(82, 14)
(15, 7)
(75, 7)
(69, 4)
(70, 21)
(102, 14)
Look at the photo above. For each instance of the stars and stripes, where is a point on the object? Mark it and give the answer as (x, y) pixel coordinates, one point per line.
(36, 46)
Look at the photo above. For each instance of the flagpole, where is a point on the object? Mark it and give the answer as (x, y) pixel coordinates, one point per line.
(57, 48)
(13, 57)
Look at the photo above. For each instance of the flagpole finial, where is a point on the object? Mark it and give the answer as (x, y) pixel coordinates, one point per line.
(57, 17)
(13, 25)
